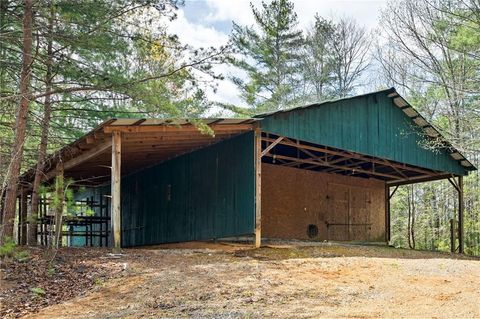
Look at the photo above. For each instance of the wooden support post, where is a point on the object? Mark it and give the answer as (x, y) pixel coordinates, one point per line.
(387, 214)
(116, 190)
(460, 215)
(258, 188)
(23, 217)
(18, 209)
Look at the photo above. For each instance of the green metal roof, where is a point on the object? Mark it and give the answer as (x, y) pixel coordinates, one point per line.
(310, 123)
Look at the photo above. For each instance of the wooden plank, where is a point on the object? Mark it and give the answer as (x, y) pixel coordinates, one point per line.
(269, 147)
(85, 156)
(116, 190)
(460, 215)
(418, 179)
(258, 188)
(387, 214)
(310, 161)
(178, 135)
(174, 128)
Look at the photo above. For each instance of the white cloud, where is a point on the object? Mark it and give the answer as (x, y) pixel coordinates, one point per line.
(204, 34)
(196, 35)
(238, 11)
(364, 11)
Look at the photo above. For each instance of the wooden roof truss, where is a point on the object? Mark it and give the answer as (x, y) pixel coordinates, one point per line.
(285, 151)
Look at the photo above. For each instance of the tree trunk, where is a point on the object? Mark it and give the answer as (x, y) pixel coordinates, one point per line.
(42, 151)
(409, 238)
(21, 125)
(60, 198)
(412, 228)
(411, 218)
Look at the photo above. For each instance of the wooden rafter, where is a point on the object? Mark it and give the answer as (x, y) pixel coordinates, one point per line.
(99, 149)
(269, 147)
(326, 150)
(312, 161)
(418, 179)
(173, 128)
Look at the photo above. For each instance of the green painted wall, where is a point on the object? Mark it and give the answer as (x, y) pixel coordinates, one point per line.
(206, 194)
(369, 124)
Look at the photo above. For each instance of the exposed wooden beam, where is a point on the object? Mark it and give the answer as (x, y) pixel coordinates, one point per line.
(311, 161)
(387, 214)
(269, 147)
(351, 164)
(85, 156)
(352, 155)
(390, 195)
(173, 128)
(418, 179)
(116, 190)
(179, 134)
(395, 168)
(461, 205)
(258, 188)
(454, 184)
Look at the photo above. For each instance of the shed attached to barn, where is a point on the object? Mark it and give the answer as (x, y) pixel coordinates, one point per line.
(322, 172)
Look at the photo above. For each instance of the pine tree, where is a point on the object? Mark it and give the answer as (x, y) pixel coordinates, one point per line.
(269, 52)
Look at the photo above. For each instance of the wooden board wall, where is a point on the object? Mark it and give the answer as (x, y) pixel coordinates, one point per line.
(293, 199)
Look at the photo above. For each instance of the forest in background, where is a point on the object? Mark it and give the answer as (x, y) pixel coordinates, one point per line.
(65, 66)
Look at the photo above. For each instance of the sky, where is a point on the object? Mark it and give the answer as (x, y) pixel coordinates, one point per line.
(205, 23)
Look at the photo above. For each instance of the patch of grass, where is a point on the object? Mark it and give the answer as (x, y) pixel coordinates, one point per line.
(8, 248)
(51, 271)
(37, 291)
(22, 256)
(98, 281)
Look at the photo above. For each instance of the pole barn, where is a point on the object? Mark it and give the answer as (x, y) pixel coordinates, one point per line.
(323, 171)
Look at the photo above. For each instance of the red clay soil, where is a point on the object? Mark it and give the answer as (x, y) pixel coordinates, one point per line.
(284, 280)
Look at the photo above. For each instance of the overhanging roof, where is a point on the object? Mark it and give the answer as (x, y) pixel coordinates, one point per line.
(429, 130)
(145, 142)
(148, 141)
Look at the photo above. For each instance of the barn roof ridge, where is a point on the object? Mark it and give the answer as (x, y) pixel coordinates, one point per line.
(325, 102)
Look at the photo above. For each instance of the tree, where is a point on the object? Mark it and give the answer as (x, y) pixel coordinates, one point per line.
(269, 53)
(334, 60)
(88, 58)
(350, 48)
(45, 128)
(21, 124)
(316, 69)
(431, 53)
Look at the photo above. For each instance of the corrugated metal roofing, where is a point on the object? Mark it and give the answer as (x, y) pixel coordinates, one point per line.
(408, 109)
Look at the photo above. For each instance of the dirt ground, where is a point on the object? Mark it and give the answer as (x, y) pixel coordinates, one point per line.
(281, 280)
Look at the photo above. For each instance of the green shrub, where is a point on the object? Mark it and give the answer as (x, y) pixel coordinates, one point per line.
(22, 256)
(38, 292)
(51, 271)
(8, 248)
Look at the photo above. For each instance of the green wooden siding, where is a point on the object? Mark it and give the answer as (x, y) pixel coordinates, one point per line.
(206, 194)
(371, 124)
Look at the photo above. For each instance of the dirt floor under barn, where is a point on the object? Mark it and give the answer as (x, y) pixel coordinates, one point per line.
(282, 280)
